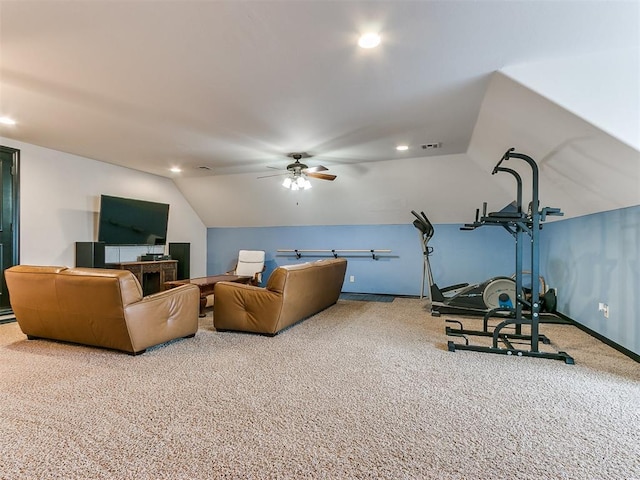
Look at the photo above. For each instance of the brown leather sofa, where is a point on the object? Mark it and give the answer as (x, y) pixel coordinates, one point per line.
(99, 307)
(292, 293)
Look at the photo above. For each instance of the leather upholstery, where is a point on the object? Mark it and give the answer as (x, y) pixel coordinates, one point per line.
(99, 307)
(292, 293)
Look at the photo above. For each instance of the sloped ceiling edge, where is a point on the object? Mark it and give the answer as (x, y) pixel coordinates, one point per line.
(447, 187)
(583, 170)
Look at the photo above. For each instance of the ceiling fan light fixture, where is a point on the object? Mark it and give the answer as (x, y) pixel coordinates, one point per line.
(298, 173)
(296, 182)
(369, 40)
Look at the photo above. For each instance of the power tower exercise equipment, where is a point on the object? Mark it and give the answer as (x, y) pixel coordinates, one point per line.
(525, 311)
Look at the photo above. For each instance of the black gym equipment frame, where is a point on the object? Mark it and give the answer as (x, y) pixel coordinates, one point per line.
(518, 224)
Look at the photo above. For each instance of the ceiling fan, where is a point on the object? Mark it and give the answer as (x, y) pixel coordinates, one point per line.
(298, 172)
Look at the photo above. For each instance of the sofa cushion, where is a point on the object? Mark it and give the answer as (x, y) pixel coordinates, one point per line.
(100, 282)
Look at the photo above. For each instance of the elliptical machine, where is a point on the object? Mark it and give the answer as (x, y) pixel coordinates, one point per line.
(462, 298)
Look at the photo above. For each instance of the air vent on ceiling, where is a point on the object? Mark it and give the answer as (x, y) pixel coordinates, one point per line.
(203, 167)
(431, 146)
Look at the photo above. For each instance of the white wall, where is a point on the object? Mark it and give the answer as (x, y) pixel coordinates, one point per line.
(448, 187)
(60, 200)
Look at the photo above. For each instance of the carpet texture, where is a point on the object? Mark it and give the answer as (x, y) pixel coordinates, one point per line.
(361, 390)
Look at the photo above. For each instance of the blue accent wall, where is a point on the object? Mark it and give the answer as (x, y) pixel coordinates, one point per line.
(458, 256)
(590, 259)
(594, 259)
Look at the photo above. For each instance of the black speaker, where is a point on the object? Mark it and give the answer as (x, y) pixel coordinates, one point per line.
(90, 254)
(182, 253)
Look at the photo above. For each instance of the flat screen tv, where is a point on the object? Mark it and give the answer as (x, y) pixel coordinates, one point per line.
(125, 221)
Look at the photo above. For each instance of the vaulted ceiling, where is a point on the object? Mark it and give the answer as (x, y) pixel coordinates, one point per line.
(220, 88)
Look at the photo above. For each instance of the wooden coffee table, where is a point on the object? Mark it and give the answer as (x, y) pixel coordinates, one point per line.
(206, 285)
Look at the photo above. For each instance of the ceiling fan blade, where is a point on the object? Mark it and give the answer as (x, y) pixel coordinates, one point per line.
(317, 168)
(274, 175)
(321, 176)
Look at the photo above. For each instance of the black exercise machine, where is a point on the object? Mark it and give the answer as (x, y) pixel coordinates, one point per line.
(461, 299)
(526, 309)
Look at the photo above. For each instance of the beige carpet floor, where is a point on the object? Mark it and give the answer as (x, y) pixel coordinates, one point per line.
(361, 390)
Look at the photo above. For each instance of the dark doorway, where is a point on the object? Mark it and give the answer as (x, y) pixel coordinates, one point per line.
(9, 231)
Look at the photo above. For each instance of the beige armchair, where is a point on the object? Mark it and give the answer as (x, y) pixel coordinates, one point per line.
(99, 307)
(250, 264)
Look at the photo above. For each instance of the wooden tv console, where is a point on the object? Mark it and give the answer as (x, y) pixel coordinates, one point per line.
(152, 275)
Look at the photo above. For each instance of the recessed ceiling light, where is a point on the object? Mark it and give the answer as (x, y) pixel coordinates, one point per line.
(402, 148)
(175, 169)
(7, 121)
(369, 40)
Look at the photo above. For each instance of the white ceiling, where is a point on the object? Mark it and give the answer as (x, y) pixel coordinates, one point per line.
(236, 85)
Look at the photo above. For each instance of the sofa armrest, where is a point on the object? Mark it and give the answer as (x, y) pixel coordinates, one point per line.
(248, 308)
(163, 316)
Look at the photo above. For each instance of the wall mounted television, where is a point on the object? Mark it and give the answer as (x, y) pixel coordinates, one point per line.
(125, 221)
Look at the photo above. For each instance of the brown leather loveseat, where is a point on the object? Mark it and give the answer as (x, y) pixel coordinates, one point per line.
(292, 293)
(99, 307)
